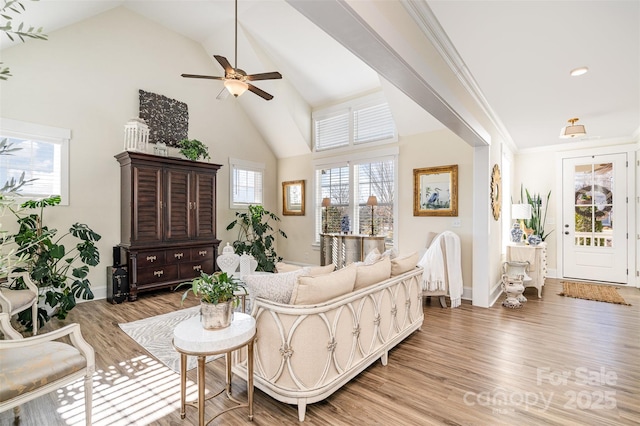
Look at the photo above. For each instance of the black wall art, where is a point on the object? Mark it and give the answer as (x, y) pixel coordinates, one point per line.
(168, 119)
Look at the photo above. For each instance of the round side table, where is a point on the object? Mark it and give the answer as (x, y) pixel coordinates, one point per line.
(190, 338)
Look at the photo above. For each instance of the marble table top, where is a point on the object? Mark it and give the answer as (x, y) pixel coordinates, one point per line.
(190, 336)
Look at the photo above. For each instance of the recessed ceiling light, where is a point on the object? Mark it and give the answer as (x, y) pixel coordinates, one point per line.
(579, 71)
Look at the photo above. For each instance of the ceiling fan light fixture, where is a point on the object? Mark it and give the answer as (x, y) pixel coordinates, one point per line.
(578, 71)
(236, 87)
(572, 130)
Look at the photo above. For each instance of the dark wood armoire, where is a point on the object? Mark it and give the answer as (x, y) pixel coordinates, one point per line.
(168, 219)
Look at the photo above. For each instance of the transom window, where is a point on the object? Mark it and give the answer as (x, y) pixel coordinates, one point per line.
(365, 120)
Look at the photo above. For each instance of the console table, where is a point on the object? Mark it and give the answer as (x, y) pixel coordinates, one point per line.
(343, 249)
(537, 258)
(190, 338)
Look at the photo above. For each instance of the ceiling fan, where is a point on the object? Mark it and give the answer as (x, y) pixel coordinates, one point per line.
(236, 81)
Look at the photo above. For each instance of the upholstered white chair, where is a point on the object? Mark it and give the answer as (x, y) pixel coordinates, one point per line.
(13, 302)
(34, 366)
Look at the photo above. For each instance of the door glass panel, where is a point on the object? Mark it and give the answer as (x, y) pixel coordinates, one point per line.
(593, 185)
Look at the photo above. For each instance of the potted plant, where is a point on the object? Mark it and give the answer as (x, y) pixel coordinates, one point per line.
(218, 296)
(256, 236)
(535, 225)
(193, 149)
(60, 271)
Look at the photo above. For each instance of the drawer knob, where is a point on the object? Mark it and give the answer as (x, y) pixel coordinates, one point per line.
(202, 252)
(197, 267)
(151, 258)
(158, 273)
(178, 255)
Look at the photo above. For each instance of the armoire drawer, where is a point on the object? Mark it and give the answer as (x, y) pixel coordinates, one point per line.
(202, 254)
(150, 258)
(158, 273)
(178, 255)
(190, 270)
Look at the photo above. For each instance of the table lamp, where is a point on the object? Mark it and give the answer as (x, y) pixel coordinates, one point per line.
(372, 201)
(519, 212)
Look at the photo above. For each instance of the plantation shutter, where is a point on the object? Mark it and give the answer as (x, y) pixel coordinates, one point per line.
(373, 123)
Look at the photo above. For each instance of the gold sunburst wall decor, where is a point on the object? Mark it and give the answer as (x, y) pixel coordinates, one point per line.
(496, 192)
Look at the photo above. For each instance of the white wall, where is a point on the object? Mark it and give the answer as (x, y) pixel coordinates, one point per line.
(86, 78)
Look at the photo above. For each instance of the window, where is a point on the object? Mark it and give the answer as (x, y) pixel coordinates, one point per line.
(43, 156)
(365, 120)
(246, 183)
(348, 185)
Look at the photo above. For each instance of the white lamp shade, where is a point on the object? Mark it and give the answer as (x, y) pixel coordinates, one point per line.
(372, 201)
(521, 211)
(236, 87)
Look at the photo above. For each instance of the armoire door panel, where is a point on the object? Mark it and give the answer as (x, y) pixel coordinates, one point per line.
(205, 206)
(178, 205)
(147, 204)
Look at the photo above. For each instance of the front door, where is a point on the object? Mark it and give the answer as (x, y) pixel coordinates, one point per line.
(594, 212)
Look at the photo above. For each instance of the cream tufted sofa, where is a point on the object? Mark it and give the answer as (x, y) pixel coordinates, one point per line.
(305, 352)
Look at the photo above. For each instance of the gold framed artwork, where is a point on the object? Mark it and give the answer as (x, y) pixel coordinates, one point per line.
(435, 191)
(496, 192)
(293, 198)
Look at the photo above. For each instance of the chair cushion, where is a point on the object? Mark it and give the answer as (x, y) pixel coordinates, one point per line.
(403, 264)
(320, 288)
(19, 299)
(29, 368)
(367, 275)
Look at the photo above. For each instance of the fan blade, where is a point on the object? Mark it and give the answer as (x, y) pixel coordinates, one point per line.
(225, 64)
(223, 94)
(209, 77)
(260, 92)
(265, 76)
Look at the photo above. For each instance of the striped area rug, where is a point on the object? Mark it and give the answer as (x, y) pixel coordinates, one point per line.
(155, 334)
(597, 292)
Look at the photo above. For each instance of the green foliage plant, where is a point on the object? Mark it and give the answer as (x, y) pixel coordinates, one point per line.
(256, 236)
(59, 270)
(538, 218)
(8, 9)
(214, 288)
(193, 149)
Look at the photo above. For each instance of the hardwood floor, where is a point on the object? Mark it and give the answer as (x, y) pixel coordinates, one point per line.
(555, 361)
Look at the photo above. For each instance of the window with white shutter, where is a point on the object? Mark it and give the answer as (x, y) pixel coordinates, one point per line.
(246, 183)
(41, 153)
(361, 121)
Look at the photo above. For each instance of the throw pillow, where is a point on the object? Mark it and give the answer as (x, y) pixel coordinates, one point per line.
(372, 257)
(367, 275)
(286, 267)
(274, 287)
(403, 264)
(317, 289)
(322, 270)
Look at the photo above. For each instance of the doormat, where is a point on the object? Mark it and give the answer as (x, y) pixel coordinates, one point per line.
(597, 292)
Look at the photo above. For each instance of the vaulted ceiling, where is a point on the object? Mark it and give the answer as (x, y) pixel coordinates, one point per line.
(513, 57)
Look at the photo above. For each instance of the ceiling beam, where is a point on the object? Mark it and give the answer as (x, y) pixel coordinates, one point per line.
(343, 23)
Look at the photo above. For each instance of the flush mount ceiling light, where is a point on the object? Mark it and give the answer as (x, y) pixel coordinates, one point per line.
(578, 71)
(572, 130)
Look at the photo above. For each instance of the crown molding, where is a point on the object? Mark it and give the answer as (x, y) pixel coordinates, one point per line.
(426, 20)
